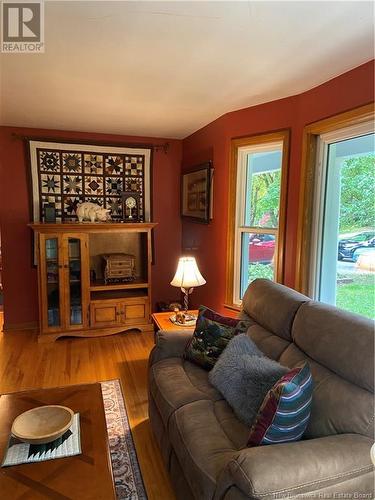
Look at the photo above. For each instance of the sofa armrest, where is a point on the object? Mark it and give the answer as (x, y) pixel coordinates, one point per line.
(169, 344)
(331, 465)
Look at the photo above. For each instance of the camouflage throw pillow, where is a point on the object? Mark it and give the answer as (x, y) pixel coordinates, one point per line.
(211, 336)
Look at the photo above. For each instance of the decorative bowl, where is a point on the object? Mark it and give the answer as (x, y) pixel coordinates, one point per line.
(42, 424)
(189, 320)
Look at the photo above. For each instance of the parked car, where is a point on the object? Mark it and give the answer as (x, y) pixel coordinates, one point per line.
(347, 246)
(261, 248)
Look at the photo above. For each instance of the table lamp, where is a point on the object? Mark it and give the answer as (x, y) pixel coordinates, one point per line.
(187, 277)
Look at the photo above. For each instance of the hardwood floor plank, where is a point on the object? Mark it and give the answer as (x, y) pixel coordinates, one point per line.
(25, 364)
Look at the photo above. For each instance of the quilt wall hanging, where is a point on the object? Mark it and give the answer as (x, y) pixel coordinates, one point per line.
(66, 174)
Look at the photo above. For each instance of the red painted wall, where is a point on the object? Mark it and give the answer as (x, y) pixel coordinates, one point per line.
(19, 276)
(208, 243)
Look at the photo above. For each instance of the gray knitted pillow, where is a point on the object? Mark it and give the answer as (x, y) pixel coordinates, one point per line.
(244, 375)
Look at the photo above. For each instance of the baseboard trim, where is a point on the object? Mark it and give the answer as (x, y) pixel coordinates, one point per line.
(32, 325)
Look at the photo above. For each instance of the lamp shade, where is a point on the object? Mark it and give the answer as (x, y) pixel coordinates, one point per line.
(187, 274)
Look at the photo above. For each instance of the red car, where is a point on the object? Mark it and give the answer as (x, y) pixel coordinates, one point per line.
(261, 248)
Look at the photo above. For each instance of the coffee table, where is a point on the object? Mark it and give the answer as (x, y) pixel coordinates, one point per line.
(85, 476)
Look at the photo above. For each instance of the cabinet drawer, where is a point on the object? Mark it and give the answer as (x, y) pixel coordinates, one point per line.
(118, 272)
(117, 265)
(135, 313)
(105, 313)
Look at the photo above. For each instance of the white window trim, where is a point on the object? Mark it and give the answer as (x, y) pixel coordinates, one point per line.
(240, 228)
(320, 181)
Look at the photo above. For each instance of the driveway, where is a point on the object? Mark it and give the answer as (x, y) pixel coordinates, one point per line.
(346, 267)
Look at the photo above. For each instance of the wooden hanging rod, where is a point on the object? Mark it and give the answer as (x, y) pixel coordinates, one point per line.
(155, 147)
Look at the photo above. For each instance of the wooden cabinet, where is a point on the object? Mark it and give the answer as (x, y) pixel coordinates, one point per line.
(63, 281)
(113, 312)
(71, 304)
(104, 313)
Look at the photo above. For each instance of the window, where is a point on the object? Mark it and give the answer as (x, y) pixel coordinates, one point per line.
(343, 243)
(335, 256)
(256, 219)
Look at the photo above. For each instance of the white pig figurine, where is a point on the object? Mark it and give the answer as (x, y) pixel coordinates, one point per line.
(92, 212)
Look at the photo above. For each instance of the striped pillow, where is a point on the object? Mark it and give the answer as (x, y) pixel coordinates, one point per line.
(285, 410)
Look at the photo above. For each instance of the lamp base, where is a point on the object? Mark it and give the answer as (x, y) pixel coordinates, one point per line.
(186, 292)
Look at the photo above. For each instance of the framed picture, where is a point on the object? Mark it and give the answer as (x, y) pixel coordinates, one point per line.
(196, 194)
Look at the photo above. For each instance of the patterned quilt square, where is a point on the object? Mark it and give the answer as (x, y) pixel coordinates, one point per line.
(114, 185)
(114, 165)
(134, 184)
(50, 183)
(115, 204)
(94, 185)
(70, 205)
(71, 162)
(134, 165)
(52, 200)
(99, 200)
(72, 184)
(93, 164)
(49, 161)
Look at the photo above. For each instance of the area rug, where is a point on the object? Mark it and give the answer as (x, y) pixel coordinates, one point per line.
(126, 472)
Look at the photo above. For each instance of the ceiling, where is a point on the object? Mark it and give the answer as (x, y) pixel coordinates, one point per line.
(165, 69)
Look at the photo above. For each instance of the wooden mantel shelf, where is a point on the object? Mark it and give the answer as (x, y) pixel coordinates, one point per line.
(99, 227)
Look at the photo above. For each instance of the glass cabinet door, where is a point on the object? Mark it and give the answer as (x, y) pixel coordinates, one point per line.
(52, 281)
(75, 281)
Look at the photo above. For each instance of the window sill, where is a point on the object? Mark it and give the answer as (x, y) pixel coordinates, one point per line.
(232, 307)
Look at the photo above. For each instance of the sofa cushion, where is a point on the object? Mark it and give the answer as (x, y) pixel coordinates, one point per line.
(272, 305)
(270, 344)
(211, 336)
(175, 382)
(338, 406)
(286, 409)
(202, 446)
(244, 375)
(169, 344)
(338, 340)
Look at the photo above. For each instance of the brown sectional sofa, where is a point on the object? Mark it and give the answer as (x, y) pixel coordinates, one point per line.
(203, 443)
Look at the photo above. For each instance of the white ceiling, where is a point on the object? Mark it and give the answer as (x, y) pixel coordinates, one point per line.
(165, 69)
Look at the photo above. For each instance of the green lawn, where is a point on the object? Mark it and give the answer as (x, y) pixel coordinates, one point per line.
(358, 296)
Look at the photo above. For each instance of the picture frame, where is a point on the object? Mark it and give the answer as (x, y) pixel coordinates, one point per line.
(196, 193)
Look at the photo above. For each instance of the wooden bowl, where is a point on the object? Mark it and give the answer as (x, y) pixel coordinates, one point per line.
(42, 424)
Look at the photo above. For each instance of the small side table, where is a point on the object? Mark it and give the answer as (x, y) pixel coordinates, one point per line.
(162, 322)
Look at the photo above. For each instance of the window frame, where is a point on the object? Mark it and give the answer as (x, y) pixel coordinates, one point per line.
(236, 202)
(323, 178)
(308, 185)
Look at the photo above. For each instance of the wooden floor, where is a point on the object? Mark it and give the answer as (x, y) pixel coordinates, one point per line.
(25, 364)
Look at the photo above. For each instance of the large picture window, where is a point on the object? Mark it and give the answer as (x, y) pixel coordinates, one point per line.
(336, 233)
(343, 242)
(257, 212)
